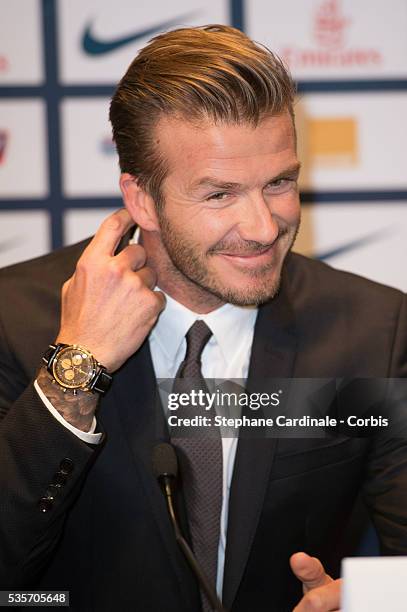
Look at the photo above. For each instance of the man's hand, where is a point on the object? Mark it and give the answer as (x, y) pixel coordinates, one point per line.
(321, 592)
(108, 305)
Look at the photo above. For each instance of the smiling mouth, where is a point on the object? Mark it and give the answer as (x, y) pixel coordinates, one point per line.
(251, 260)
(249, 255)
(258, 253)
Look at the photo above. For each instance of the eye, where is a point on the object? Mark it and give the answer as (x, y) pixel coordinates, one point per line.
(220, 195)
(282, 185)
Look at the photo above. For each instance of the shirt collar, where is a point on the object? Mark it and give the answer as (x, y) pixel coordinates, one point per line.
(229, 324)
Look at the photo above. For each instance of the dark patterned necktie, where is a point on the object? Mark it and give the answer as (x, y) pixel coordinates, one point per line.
(200, 458)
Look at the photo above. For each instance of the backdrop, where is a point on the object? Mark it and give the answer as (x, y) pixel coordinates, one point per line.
(60, 60)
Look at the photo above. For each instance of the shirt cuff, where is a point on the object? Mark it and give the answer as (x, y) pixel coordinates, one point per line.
(89, 437)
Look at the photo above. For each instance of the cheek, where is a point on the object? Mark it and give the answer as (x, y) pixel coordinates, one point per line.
(287, 207)
(206, 227)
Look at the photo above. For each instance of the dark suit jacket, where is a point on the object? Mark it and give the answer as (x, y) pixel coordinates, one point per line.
(107, 537)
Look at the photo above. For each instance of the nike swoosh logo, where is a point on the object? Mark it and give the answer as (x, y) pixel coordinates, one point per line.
(352, 245)
(94, 46)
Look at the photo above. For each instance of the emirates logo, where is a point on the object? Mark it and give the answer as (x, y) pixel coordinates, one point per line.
(4, 63)
(331, 46)
(330, 25)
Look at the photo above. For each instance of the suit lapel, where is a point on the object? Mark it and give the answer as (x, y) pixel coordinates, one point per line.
(142, 418)
(272, 357)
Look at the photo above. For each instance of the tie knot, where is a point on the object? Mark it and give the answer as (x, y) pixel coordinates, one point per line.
(197, 338)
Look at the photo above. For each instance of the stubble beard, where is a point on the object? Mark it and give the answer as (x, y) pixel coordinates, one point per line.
(186, 265)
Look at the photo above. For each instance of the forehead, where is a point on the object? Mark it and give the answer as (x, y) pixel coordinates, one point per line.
(191, 150)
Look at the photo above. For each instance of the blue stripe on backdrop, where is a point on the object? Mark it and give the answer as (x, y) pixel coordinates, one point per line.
(58, 92)
(237, 14)
(351, 86)
(50, 48)
(307, 198)
(22, 91)
(349, 197)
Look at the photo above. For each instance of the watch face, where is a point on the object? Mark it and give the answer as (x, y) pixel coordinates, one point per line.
(73, 367)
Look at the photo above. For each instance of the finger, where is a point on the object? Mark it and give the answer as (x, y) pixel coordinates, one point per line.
(110, 232)
(161, 297)
(323, 599)
(309, 570)
(132, 256)
(65, 287)
(148, 276)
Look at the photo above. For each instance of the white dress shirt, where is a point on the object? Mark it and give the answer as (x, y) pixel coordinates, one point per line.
(226, 355)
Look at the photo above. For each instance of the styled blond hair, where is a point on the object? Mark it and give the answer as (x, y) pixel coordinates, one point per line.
(213, 72)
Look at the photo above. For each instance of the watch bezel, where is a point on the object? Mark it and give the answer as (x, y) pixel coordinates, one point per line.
(94, 366)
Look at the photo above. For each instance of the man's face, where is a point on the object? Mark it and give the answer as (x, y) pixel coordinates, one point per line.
(231, 207)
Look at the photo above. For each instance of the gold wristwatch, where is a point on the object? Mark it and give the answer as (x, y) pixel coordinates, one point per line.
(73, 367)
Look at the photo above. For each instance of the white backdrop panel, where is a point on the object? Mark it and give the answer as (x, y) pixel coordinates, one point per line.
(353, 141)
(89, 160)
(24, 234)
(21, 49)
(112, 22)
(334, 39)
(23, 161)
(372, 238)
(82, 223)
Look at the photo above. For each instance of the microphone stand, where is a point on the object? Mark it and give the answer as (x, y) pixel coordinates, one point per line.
(166, 482)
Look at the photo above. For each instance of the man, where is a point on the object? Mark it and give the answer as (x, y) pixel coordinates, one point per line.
(203, 123)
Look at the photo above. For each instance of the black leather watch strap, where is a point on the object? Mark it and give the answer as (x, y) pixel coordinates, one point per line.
(101, 382)
(50, 354)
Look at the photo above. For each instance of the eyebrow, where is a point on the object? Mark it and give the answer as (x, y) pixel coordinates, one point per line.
(210, 181)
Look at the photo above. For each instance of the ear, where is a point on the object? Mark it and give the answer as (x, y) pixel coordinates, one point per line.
(139, 204)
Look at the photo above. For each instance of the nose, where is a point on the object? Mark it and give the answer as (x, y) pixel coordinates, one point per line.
(257, 221)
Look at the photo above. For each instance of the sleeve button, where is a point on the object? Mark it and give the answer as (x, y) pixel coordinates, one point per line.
(66, 466)
(52, 491)
(59, 479)
(45, 504)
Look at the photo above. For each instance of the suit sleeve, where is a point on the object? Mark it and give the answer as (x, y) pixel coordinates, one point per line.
(386, 483)
(42, 469)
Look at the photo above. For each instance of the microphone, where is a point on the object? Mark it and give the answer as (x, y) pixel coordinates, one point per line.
(165, 468)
